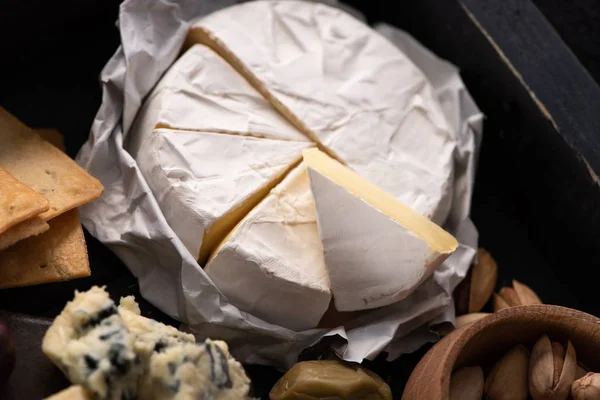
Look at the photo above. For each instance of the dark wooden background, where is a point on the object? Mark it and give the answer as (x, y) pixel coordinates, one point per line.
(535, 204)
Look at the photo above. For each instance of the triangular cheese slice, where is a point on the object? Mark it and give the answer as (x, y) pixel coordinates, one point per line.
(276, 249)
(376, 249)
(202, 92)
(205, 183)
(346, 87)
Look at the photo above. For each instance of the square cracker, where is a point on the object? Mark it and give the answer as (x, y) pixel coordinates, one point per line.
(18, 202)
(52, 136)
(31, 227)
(44, 168)
(59, 254)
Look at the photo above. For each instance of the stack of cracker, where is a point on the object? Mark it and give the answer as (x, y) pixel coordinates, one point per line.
(41, 239)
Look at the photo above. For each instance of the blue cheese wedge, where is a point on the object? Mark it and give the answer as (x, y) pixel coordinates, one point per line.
(115, 353)
(150, 336)
(89, 342)
(195, 372)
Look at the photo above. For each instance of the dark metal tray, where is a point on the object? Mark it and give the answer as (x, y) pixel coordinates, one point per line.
(537, 196)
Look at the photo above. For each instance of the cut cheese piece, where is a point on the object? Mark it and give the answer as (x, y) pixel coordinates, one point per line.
(205, 183)
(377, 250)
(202, 92)
(347, 88)
(271, 265)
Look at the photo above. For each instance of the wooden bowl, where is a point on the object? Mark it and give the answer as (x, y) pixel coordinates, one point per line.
(488, 339)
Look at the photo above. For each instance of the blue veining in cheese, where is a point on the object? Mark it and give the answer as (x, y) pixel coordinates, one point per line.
(115, 353)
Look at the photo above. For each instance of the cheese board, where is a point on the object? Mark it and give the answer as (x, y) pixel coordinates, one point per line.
(537, 160)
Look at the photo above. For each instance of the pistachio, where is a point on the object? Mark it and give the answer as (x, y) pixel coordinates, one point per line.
(499, 303)
(580, 371)
(468, 319)
(508, 378)
(483, 280)
(525, 294)
(445, 328)
(551, 370)
(518, 295)
(461, 294)
(475, 290)
(587, 387)
(466, 384)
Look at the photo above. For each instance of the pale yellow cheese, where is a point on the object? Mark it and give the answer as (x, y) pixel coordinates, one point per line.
(437, 238)
(216, 234)
(277, 250)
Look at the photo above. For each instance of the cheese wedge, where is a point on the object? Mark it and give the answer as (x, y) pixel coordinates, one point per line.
(202, 92)
(377, 250)
(347, 88)
(205, 183)
(271, 265)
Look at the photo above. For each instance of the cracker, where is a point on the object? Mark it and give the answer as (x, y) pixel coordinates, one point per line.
(44, 168)
(52, 136)
(59, 254)
(31, 227)
(18, 202)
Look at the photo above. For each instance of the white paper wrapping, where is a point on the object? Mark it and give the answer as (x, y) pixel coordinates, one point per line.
(128, 220)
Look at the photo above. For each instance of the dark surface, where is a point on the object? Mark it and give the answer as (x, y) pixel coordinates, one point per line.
(32, 366)
(578, 23)
(535, 204)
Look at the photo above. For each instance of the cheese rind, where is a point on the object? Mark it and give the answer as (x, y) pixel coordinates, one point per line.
(377, 250)
(206, 182)
(347, 88)
(276, 257)
(202, 92)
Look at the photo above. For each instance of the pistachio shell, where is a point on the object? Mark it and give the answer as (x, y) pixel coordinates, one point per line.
(581, 372)
(499, 303)
(483, 280)
(467, 384)
(551, 370)
(510, 296)
(462, 293)
(526, 295)
(508, 378)
(587, 387)
(558, 359)
(468, 319)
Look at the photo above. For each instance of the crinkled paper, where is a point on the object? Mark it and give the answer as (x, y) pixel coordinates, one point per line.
(129, 221)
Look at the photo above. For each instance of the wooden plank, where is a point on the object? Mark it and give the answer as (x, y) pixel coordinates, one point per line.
(563, 89)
